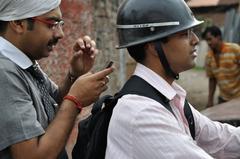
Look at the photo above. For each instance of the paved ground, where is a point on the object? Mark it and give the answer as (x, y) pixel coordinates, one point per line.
(195, 83)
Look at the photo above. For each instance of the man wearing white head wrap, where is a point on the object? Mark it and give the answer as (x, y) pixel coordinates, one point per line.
(29, 30)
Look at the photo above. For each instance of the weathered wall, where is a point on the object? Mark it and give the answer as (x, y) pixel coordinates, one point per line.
(104, 28)
(216, 18)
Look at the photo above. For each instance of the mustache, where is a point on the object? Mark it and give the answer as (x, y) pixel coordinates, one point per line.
(53, 41)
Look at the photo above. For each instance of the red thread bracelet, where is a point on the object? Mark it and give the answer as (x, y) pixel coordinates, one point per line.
(73, 99)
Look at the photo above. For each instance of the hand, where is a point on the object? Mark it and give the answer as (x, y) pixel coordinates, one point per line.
(88, 87)
(84, 56)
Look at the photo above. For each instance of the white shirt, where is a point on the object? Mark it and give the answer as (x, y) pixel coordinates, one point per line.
(141, 128)
(14, 54)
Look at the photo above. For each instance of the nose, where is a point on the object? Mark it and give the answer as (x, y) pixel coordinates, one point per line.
(195, 39)
(58, 32)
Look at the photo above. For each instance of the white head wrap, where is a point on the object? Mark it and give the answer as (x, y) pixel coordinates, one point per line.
(23, 9)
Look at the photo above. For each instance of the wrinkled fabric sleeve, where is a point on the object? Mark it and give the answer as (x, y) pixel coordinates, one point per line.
(220, 140)
(18, 118)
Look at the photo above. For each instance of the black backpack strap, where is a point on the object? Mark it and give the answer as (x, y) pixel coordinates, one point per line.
(189, 116)
(137, 85)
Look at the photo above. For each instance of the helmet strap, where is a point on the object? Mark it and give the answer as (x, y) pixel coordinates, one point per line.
(164, 61)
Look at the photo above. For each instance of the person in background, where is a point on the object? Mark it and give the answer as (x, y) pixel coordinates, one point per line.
(222, 66)
(36, 115)
(159, 35)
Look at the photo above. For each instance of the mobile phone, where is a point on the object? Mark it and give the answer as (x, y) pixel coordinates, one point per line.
(109, 64)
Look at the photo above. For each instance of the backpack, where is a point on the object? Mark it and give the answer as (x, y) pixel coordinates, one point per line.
(92, 138)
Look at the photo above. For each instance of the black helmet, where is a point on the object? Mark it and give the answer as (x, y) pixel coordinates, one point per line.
(141, 21)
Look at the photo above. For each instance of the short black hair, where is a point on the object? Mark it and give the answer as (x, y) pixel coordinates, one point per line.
(214, 30)
(137, 52)
(3, 26)
(30, 24)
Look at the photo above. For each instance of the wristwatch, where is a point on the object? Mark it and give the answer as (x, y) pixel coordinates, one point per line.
(71, 77)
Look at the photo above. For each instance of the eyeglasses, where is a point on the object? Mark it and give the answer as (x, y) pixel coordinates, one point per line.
(52, 24)
(185, 33)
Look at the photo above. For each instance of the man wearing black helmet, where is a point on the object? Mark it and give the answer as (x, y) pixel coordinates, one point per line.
(158, 35)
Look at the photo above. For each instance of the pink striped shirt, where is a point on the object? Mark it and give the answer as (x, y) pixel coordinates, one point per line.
(141, 128)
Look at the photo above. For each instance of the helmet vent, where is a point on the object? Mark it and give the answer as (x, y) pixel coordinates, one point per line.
(152, 29)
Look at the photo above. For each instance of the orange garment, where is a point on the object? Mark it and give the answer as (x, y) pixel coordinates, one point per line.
(227, 71)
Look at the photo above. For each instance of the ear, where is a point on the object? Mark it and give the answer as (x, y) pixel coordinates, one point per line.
(150, 49)
(18, 26)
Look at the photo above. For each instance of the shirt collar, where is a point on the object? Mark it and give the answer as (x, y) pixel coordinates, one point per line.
(14, 54)
(169, 91)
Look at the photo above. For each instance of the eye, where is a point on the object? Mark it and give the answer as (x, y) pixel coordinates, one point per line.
(52, 23)
(184, 33)
(55, 24)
